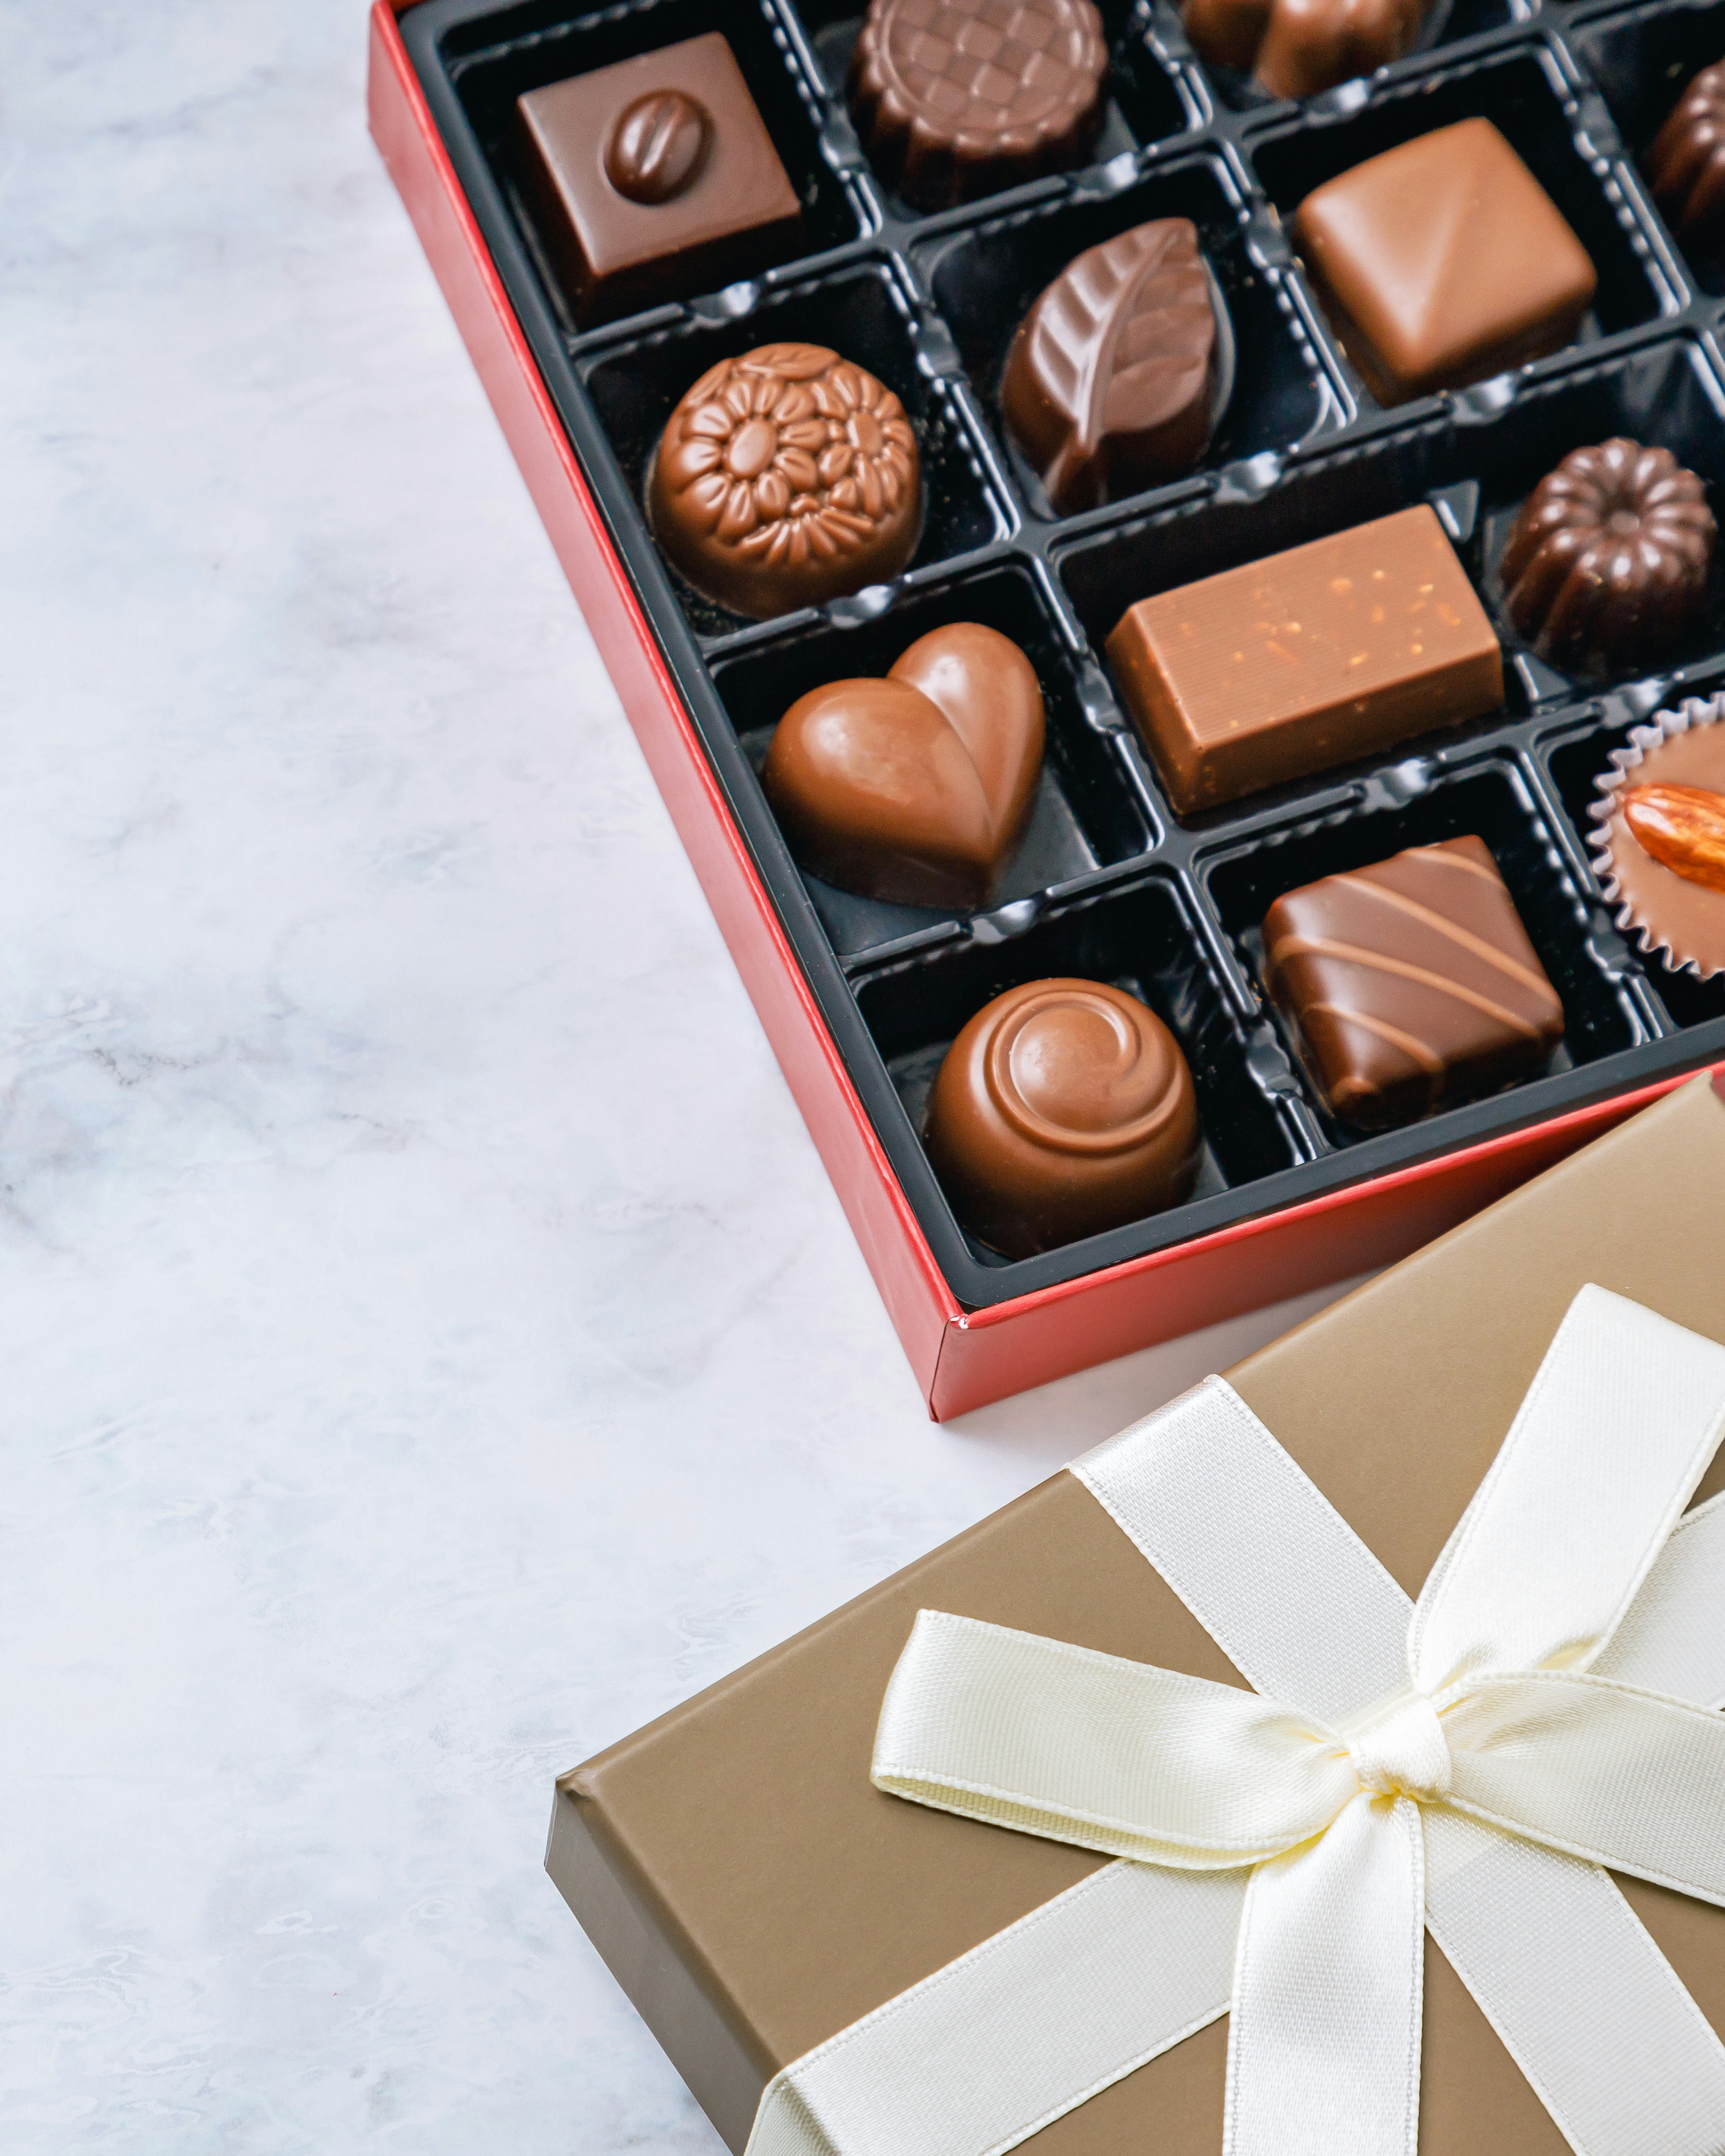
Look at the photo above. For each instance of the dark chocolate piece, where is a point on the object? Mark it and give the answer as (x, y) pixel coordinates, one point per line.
(916, 788)
(1659, 845)
(955, 99)
(1063, 1108)
(1335, 649)
(654, 179)
(785, 477)
(1411, 983)
(1443, 261)
(1297, 48)
(1111, 381)
(1685, 166)
(1607, 567)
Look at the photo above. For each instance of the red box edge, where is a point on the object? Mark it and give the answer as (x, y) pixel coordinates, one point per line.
(962, 1360)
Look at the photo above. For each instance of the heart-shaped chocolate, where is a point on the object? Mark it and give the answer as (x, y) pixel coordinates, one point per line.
(916, 787)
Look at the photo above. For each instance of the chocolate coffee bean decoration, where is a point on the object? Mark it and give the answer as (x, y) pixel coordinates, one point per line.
(658, 146)
(1063, 1108)
(784, 478)
(1607, 567)
(1111, 381)
(916, 788)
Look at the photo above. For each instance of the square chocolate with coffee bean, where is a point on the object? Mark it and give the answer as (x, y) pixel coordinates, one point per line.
(654, 179)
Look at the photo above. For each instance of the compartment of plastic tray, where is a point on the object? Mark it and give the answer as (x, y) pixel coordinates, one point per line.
(1091, 812)
(986, 277)
(1147, 101)
(1643, 61)
(1521, 91)
(1492, 802)
(860, 312)
(495, 57)
(1138, 936)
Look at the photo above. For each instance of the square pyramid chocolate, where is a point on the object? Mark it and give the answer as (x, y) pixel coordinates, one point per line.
(1411, 983)
(1443, 261)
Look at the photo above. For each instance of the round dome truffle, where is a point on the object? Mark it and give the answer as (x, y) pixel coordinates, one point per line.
(1064, 1107)
(1607, 568)
(785, 478)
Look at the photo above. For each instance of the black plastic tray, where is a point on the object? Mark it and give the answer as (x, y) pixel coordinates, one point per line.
(1110, 883)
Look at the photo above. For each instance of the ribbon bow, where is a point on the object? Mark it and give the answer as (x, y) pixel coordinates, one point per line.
(1466, 1763)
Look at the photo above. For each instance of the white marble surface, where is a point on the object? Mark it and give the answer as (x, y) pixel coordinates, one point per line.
(428, 1344)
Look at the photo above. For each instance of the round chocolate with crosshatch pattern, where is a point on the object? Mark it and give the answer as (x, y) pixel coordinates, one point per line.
(785, 478)
(955, 99)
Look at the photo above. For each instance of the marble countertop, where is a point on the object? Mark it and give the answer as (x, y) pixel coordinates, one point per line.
(429, 1345)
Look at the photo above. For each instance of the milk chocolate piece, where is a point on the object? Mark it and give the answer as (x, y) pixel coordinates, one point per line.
(1607, 567)
(784, 478)
(916, 788)
(955, 99)
(1443, 261)
(1685, 165)
(654, 179)
(1063, 1108)
(1297, 48)
(1111, 381)
(1333, 650)
(1411, 983)
(1660, 842)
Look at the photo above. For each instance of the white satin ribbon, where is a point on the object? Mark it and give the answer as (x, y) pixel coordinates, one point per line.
(1466, 1763)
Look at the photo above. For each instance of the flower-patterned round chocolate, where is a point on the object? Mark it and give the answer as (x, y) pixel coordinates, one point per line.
(785, 478)
(1607, 567)
(1064, 1107)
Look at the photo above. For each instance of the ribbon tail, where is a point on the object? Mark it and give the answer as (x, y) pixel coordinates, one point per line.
(1324, 2047)
(1023, 2028)
(1586, 2004)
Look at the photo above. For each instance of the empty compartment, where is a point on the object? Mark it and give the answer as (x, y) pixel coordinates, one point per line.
(986, 279)
(862, 314)
(1492, 803)
(1089, 814)
(1523, 95)
(1138, 937)
(494, 56)
(1145, 100)
(1644, 62)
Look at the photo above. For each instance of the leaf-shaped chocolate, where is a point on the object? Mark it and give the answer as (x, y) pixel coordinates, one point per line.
(1109, 385)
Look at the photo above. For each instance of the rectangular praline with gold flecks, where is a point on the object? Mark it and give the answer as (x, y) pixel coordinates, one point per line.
(1411, 983)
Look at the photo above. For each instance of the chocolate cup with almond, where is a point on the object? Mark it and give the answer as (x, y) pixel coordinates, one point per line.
(1658, 836)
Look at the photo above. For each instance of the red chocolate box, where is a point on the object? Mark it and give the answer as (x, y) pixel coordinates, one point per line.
(859, 998)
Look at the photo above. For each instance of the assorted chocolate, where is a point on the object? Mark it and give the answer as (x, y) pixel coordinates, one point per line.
(1111, 381)
(954, 99)
(1659, 837)
(654, 179)
(1411, 984)
(784, 478)
(1685, 165)
(1340, 648)
(916, 787)
(1064, 1107)
(1297, 48)
(790, 475)
(1608, 567)
(1442, 261)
